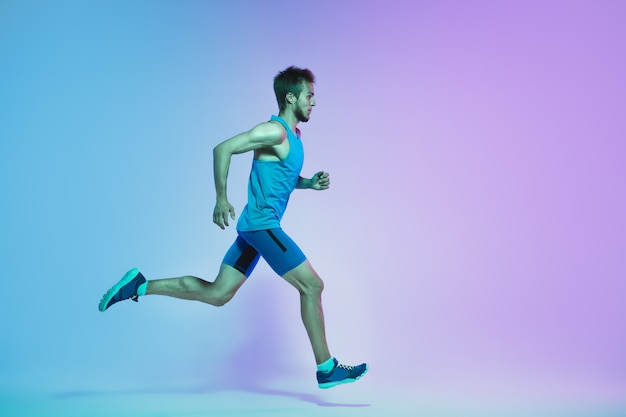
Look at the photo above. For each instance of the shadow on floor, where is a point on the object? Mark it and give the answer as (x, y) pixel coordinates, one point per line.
(305, 397)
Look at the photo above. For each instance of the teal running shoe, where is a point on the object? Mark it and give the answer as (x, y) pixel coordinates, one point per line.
(125, 289)
(341, 374)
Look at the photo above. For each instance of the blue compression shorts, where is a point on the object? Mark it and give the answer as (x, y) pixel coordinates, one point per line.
(274, 245)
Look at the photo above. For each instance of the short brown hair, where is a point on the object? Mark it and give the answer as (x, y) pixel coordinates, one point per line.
(290, 81)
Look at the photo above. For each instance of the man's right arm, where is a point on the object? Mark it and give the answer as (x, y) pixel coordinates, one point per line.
(263, 135)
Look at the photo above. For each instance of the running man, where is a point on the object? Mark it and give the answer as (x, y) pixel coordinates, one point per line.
(275, 173)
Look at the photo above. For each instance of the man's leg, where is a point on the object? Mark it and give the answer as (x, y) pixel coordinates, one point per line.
(329, 371)
(238, 263)
(283, 254)
(310, 286)
(216, 293)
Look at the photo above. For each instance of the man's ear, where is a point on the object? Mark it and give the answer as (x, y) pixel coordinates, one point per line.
(291, 98)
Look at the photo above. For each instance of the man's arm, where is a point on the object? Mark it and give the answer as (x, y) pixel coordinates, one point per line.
(320, 181)
(264, 135)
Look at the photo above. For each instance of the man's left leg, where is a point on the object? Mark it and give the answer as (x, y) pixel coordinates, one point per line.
(287, 260)
(310, 286)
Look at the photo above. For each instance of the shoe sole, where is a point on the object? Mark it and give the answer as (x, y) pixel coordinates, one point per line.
(327, 385)
(128, 277)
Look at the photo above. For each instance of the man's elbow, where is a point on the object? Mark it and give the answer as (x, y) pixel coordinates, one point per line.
(219, 149)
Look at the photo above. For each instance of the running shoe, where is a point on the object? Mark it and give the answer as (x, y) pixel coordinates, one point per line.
(125, 289)
(340, 374)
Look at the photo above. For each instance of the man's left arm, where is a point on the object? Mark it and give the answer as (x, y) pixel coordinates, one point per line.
(320, 181)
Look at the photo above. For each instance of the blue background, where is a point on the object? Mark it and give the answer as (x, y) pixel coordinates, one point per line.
(472, 241)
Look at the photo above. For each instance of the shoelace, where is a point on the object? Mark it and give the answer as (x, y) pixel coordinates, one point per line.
(349, 368)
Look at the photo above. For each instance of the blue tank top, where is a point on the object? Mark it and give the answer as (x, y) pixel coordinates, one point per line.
(270, 185)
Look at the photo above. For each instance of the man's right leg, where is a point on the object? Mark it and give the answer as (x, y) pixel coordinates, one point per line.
(217, 293)
(238, 263)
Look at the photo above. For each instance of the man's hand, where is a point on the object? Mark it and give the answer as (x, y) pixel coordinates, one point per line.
(221, 212)
(320, 181)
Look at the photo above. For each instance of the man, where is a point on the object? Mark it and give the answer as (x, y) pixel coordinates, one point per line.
(275, 173)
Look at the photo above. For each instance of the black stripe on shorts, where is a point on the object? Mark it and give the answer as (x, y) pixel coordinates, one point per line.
(275, 239)
(246, 258)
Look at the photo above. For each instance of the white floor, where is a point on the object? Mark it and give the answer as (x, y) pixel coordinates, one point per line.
(368, 397)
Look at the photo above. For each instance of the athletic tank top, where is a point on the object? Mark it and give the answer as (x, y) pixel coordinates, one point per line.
(270, 185)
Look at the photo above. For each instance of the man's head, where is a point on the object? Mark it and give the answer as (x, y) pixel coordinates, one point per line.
(288, 87)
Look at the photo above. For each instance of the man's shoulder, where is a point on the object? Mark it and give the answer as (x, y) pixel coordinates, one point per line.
(270, 131)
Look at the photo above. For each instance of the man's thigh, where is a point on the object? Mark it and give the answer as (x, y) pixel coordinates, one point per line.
(241, 256)
(278, 249)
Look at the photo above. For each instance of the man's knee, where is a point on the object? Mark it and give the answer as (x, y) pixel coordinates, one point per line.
(222, 297)
(317, 285)
(309, 284)
(225, 286)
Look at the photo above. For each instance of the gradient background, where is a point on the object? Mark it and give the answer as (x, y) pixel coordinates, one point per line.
(473, 241)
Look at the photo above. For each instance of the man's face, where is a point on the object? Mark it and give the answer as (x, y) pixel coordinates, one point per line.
(305, 103)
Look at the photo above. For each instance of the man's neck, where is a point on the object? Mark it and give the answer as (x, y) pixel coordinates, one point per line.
(289, 118)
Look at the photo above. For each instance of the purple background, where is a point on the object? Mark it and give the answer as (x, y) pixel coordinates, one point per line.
(472, 242)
